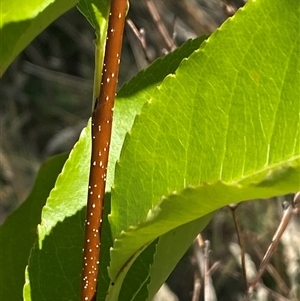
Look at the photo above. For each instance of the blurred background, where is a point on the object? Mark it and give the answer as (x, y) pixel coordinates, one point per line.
(46, 99)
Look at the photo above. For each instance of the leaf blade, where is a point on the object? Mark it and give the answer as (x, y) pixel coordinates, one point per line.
(231, 132)
(18, 232)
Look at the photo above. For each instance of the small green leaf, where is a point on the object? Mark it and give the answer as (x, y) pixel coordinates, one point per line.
(18, 232)
(22, 21)
(138, 276)
(96, 12)
(151, 268)
(171, 247)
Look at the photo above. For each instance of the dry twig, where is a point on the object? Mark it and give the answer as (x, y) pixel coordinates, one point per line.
(240, 241)
(161, 26)
(289, 211)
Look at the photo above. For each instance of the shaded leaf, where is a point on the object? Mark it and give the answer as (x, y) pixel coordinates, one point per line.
(55, 260)
(22, 21)
(18, 232)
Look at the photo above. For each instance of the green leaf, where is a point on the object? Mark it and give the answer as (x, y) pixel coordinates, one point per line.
(96, 12)
(133, 95)
(22, 21)
(56, 258)
(171, 247)
(18, 232)
(224, 128)
(152, 266)
(138, 277)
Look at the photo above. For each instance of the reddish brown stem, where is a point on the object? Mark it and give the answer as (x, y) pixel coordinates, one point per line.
(101, 134)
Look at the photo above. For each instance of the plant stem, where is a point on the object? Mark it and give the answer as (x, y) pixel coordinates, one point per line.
(160, 25)
(241, 243)
(289, 211)
(101, 135)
